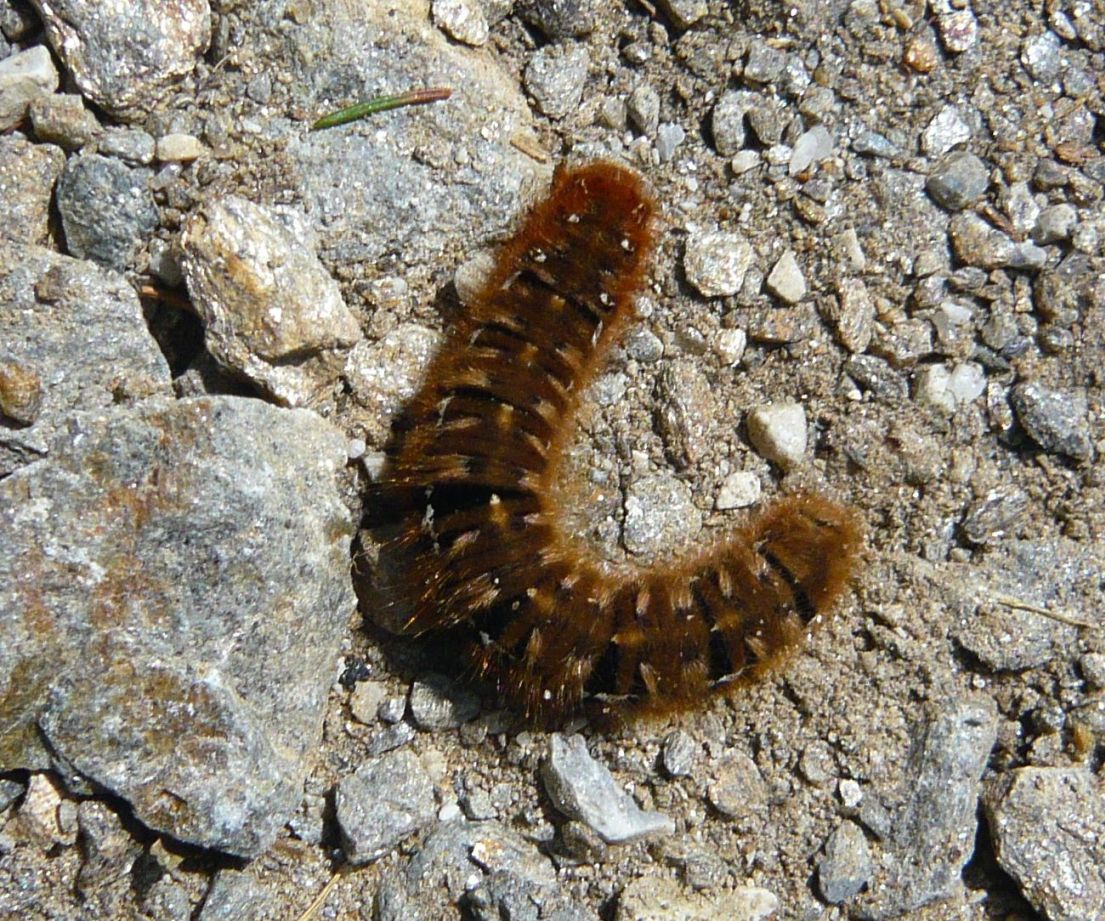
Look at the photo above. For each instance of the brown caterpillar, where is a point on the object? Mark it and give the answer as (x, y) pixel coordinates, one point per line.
(481, 549)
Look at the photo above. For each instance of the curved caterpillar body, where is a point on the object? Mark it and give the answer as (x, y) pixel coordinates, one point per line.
(481, 547)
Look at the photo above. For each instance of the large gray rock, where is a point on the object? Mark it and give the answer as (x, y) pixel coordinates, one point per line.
(174, 582)
(72, 335)
(125, 55)
(409, 184)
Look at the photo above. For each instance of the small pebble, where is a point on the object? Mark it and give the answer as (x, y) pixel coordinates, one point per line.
(778, 432)
(643, 109)
(946, 130)
(668, 138)
(729, 344)
(785, 280)
(679, 753)
(851, 793)
(555, 76)
(958, 180)
(438, 703)
(715, 262)
(1040, 56)
(684, 13)
(855, 317)
(1055, 419)
(958, 30)
(24, 76)
(812, 147)
(583, 789)
(727, 121)
(62, 119)
(1054, 224)
(765, 64)
(179, 148)
(364, 702)
(463, 20)
(740, 489)
(738, 790)
(847, 866)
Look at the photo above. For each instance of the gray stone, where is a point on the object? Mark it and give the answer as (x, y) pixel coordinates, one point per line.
(461, 19)
(950, 388)
(959, 180)
(684, 13)
(785, 280)
(873, 144)
(383, 375)
(126, 77)
(179, 147)
(491, 870)
(644, 345)
(1040, 56)
(583, 789)
(737, 789)
(846, 867)
(365, 700)
(555, 76)
(876, 377)
(131, 144)
(1057, 420)
(72, 335)
(657, 898)
(107, 849)
(189, 562)
(643, 109)
(958, 30)
(17, 20)
(271, 311)
(946, 130)
(715, 261)
(765, 64)
(389, 798)
(10, 791)
(990, 517)
(778, 432)
(811, 148)
(27, 176)
(1048, 829)
(659, 515)
(976, 243)
(686, 412)
(853, 315)
(390, 738)
(237, 896)
(668, 137)
(1055, 224)
(727, 121)
(62, 119)
(1092, 665)
(739, 489)
(24, 76)
(933, 834)
(107, 209)
(561, 19)
(438, 703)
(679, 754)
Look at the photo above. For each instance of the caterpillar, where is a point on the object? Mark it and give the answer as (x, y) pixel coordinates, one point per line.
(480, 549)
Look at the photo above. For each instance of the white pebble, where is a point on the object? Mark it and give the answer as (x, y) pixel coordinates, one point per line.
(778, 432)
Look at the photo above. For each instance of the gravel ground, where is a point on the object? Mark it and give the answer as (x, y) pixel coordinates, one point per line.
(881, 276)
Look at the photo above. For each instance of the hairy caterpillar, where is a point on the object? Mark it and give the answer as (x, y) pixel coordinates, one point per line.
(481, 549)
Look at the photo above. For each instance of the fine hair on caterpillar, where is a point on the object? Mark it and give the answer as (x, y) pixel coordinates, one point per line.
(480, 548)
